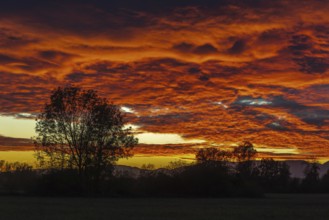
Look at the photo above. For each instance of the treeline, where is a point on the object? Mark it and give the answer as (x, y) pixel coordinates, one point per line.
(216, 173)
(17, 178)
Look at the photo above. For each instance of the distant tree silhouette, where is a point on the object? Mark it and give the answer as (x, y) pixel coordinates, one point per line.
(16, 177)
(245, 154)
(311, 181)
(14, 167)
(148, 166)
(147, 169)
(177, 164)
(274, 175)
(213, 157)
(78, 130)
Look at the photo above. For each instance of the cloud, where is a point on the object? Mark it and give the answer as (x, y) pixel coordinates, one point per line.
(13, 39)
(313, 64)
(8, 143)
(173, 62)
(55, 56)
(205, 49)
(238, 47)
(183, 47)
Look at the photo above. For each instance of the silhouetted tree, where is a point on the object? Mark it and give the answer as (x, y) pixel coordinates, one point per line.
(213, 157)
(148, 166)
(310, 182)
(79, 130)
(244, 154)
(274, 175)
(177, 164)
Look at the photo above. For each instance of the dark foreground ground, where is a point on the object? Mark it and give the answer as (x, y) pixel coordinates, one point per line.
(272, 207)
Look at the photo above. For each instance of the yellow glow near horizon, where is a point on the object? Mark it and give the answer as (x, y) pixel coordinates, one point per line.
(277, 150)
(162, 138)
(16, 128)
(18, 156)
(136, 161)
(10, 126)
(24, 128)
(157, 161)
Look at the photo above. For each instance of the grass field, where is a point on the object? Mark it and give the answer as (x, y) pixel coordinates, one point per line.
(272, 207)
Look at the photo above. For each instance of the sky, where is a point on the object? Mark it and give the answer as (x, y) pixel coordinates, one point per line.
(187, 74)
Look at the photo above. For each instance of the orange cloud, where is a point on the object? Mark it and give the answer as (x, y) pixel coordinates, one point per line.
(217, 71)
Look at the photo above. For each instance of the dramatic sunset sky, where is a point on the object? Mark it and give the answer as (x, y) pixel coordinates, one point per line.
(188, 74)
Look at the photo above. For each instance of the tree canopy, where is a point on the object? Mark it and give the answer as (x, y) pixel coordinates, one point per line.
(80, 130)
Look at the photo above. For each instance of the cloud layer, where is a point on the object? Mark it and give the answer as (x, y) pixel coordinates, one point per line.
(220, 71)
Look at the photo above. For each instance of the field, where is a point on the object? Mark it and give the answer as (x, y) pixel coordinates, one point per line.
(272, 207)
